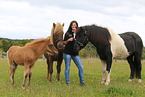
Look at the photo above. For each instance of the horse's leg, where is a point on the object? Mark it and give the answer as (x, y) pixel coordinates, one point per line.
(132, 65)
(137, 60)
(30, 74)
(26, 72)
(50, 70)
(108, 70)
(103, 72)
(13, 67)
(59, 62)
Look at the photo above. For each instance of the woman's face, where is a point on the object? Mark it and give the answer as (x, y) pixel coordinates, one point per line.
(74, 26)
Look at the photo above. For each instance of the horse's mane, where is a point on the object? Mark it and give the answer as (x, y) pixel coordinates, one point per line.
(37, 41)
(99, 34)
(57, 29)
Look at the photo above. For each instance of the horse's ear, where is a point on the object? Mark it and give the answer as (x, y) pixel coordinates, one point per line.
(63, 24)
(48, 38)
(78, 29)
(81, 29)
(54, 25)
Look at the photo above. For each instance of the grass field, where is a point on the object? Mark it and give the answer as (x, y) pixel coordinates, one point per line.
(40, 87)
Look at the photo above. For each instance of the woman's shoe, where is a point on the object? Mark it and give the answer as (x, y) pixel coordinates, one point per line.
(67, 84)
(82, 84)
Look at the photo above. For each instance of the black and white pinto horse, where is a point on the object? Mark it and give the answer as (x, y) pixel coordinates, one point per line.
(110, 45)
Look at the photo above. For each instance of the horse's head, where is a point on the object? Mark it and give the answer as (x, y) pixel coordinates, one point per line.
(57, 35)
(51, 50)
(81, 39)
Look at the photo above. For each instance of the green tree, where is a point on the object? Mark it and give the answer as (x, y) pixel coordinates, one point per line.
(6, 45)
(24, 41)
(83, 53)
(91, 50)
(143, 53)
(88, 51)
(0, 44)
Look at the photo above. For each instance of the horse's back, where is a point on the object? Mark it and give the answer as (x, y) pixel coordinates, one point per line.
(19, 54)
(12, 49)
(132, 41)
(136, 37)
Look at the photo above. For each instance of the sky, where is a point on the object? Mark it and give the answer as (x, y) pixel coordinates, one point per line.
(33, 19)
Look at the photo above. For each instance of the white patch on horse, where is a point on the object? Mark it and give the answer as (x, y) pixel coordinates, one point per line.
(13, 66)
(49, 53)
(108, 77)
(103, 72)
(118, 47)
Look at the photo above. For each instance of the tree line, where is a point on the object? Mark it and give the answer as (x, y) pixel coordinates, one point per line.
(88, 51)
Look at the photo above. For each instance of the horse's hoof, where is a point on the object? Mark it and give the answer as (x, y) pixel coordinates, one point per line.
(29, 86)
(130, 80)
(13, 86)
(57, 80)
(23, 87)
(107, 83)
(139, 80)
(50, 82)
(102, 82)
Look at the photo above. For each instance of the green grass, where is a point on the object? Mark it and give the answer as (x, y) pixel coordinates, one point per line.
(119, 86)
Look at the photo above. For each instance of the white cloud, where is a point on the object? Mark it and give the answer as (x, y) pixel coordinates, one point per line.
(20, 17)
(23, 19)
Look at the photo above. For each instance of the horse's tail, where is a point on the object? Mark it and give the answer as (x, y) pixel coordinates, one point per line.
(137, 55)
(8, 57)
(138, 65)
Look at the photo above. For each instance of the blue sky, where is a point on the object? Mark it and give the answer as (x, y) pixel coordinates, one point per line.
(33, 19)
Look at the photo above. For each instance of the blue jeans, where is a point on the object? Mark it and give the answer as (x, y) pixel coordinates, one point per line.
(77, 61)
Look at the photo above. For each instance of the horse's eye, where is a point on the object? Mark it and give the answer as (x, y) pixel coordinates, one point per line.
(50, 45)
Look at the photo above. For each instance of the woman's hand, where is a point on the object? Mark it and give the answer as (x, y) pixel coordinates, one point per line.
(70, 39)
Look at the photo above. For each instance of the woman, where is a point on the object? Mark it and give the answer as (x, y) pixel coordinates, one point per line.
(69, 54)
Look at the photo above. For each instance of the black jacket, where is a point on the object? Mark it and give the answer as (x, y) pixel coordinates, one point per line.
(69, 46)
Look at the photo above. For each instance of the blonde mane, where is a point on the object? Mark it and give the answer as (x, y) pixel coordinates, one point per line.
(57, 29)
(37, 41)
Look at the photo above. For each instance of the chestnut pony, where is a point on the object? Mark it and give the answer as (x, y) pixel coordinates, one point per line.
(57, 39)
(27, 56)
